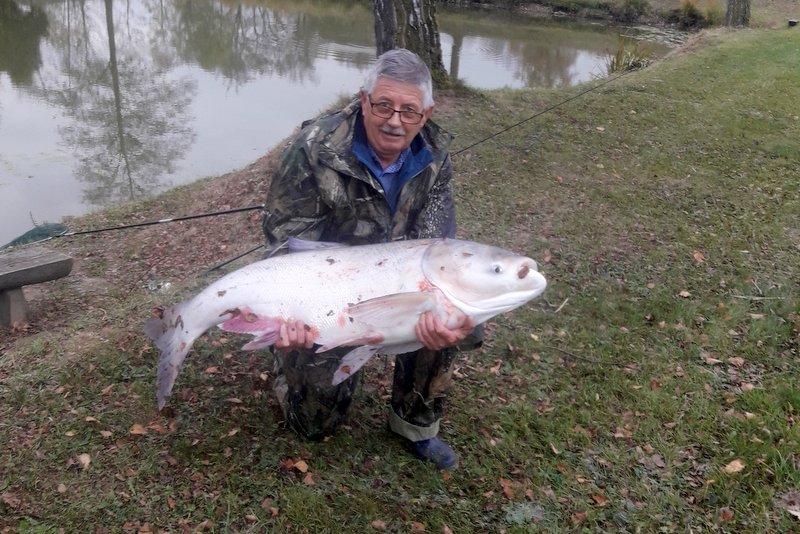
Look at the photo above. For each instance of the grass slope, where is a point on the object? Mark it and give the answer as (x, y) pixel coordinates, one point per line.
(654, 388)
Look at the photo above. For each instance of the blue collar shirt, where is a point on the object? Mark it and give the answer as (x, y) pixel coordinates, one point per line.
(411, 161)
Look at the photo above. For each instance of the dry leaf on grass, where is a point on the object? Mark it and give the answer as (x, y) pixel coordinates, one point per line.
(735, 466)
(84, 460)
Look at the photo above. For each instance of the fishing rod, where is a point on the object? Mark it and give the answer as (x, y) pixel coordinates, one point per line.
(162, 221)
(141, 224)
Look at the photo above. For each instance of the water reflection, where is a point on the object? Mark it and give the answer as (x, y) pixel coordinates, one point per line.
(103, 101)
(21, 30)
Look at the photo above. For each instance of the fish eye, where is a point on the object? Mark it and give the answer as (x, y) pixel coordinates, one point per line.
(498, 269)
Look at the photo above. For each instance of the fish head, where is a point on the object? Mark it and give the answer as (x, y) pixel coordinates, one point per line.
(481, 280)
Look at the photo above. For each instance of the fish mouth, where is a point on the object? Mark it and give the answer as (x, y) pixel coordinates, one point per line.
(482, 309)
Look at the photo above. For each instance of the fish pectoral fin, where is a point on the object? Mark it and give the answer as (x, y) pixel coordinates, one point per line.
(352, 362)
(389, 310)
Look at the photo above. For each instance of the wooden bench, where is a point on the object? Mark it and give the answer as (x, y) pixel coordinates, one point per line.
(24, 268)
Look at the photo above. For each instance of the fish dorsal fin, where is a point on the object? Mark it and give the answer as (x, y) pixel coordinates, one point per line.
(295, 244)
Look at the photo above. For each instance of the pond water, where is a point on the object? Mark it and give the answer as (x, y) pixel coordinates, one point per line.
(105, 101)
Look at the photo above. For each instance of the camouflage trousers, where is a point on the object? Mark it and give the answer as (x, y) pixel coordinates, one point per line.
(314, 408)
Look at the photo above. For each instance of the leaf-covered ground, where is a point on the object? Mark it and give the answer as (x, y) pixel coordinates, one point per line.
(653, 388)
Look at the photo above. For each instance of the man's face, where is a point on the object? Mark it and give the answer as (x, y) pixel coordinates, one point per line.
(389, 137)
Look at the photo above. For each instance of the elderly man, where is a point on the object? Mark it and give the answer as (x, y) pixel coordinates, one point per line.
(376, 171)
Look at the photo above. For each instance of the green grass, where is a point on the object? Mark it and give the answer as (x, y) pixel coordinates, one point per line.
(663, 209)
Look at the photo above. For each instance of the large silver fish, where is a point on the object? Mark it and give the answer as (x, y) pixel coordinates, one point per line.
(369, 297)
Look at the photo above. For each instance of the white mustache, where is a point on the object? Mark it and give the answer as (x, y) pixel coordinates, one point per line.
(392, 130)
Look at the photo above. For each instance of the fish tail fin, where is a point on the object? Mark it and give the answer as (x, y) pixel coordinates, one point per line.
(174, 337)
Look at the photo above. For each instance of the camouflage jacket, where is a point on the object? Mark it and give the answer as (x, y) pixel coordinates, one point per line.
(322, 192)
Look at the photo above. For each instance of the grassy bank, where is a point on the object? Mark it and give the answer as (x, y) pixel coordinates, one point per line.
(654, 388)
(687, 14)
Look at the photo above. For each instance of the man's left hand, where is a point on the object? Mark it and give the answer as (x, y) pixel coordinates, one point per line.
(435, 335)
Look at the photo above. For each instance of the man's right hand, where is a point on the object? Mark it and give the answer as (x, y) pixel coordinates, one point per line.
(295, 335)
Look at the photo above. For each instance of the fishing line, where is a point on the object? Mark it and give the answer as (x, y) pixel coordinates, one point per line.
(261, 206)
(542, 112)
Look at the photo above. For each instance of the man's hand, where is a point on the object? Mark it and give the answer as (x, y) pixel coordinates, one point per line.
(295, 335)
(435, 335)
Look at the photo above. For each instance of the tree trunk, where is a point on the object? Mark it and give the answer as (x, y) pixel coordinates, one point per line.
(411, 24)
(738, 13)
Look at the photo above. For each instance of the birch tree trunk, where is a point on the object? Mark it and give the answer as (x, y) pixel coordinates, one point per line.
(411, 24)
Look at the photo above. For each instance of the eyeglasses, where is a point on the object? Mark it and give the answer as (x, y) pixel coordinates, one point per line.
(385, 111)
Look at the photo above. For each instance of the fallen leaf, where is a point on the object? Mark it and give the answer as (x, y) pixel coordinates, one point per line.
(379, 525)
(138, 430)
(234, 400)
(698, 256)
(11, 500)
(106, 433)
(736, 361)
(508, 487)
(69, 433)
(212, 370)
(709, 358)
(301, 466)
(734, 467)
(84, 460)
(61, 488)
(578, 518)
(600, 128)
(90, 419)
(725, 514)
(446, 530)
(308, 480)
(250, 518)
(157, 427)
(746, 386)
(417, 527)
(685, 294)
(599, 500)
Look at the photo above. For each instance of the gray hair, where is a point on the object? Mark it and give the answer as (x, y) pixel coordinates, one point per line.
(403, 66)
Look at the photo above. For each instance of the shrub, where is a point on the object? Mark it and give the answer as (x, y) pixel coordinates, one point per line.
(689, 16)
(629, 10)
(630, 55)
